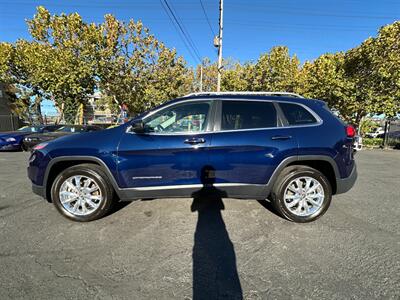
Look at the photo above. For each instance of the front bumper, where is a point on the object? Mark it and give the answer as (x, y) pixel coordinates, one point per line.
(343, 185)
(9, 147)
(39, 190)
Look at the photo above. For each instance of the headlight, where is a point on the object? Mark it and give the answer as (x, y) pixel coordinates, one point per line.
(40, 146)
(11, 139)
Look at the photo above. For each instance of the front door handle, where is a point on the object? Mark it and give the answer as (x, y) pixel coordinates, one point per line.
(194, 141)
(281, 137)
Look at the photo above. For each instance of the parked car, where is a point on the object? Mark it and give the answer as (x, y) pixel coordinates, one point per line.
(13, 140)
(293, 151)
(379, 131)
(33, 139)
(357, 145)
(391, 135)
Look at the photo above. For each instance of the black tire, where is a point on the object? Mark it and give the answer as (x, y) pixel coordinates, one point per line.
(287, 175)
(93, 172)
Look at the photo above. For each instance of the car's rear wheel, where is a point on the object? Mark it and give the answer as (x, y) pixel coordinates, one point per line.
(82, 193)
(301, 194)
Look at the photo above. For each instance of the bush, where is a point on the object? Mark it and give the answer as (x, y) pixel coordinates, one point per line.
(367, 126)
(372, 141)
(376, 142)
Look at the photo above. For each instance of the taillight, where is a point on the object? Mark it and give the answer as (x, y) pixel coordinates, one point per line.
(350, 131)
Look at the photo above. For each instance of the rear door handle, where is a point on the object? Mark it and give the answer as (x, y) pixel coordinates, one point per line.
(281, 137)
(194, 141)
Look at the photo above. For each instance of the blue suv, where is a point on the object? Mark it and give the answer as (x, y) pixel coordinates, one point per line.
(290, 150)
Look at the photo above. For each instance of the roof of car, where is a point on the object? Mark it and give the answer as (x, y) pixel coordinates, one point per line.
(281, 96)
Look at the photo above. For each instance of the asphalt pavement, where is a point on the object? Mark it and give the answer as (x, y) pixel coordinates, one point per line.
(204, 248)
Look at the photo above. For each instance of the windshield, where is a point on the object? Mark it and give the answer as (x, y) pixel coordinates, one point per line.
(30, 128)
(70, 129)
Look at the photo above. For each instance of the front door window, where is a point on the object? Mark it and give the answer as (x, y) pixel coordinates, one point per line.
(180, 118)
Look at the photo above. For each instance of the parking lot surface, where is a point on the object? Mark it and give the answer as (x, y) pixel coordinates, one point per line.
(204, 248)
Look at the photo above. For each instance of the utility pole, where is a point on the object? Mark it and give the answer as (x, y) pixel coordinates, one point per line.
(221, 10)
(201, 77)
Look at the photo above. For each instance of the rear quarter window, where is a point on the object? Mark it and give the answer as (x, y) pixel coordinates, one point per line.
(297, 114)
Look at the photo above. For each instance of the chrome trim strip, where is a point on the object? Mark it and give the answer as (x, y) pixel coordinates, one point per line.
(316, 116)
(187, 186)
(146, 177)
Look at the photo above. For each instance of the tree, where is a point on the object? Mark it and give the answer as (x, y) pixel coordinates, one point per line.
(60, 59)
(19, 88)
(326, 79)
(238, 77)
(275, 71)
(138, 70)
(374, 66)
(210, 71)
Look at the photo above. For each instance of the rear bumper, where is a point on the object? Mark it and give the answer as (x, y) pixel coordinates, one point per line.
(345, 184)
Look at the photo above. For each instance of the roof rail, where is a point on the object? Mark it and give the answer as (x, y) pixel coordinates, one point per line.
(278, 94)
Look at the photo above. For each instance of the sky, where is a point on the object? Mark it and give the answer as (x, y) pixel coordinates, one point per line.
(309, 28)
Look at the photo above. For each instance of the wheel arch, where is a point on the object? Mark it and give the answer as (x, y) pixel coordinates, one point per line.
(325, 164)
(59, 164)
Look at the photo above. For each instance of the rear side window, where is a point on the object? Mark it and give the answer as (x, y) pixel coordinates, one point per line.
(247, 115)
(296, 114)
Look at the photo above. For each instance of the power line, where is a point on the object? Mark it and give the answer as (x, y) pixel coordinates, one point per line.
(183, 31)
(208, 20)
(187, 32)
(185, 43)
(303, 27)
(298, 12)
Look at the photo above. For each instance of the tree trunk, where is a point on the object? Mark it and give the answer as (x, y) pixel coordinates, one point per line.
(38, 109)
(386, 135)
(360, 114)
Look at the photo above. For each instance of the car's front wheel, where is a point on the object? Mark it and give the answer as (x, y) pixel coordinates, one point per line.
(82, 193)
(301, 194)
(24, 147)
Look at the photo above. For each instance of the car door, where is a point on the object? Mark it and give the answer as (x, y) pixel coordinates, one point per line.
(172, 151)
(249, 142)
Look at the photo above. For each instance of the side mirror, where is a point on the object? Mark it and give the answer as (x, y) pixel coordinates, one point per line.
(138, 127)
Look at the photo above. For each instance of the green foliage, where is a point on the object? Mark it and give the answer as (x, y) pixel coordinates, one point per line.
(68, 59)
(364, 80)
(367, 126)
(372, 142)
(210, 71)
(276, 71)
(325, 79)
(136, 69)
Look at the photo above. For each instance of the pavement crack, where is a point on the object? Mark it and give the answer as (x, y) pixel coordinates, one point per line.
(88, 287)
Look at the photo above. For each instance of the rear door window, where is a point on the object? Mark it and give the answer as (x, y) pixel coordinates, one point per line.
(297, 114)
(247, 115)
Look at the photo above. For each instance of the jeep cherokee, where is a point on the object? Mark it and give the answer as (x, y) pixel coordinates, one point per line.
(279, 146)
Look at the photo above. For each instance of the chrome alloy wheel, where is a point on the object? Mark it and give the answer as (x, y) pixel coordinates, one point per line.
(80, 195)
(304, 196)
